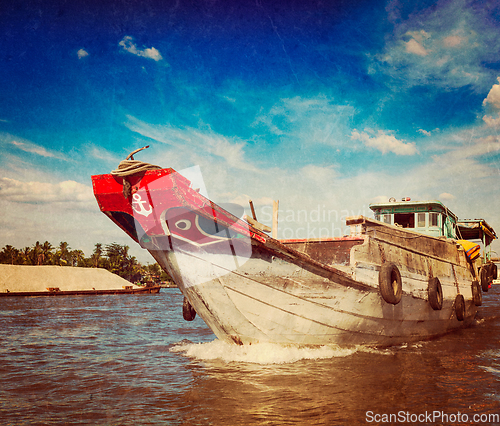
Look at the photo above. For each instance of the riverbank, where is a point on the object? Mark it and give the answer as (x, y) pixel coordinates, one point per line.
(52, 280)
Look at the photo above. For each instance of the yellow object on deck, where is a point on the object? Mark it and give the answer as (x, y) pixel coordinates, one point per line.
(472, 250)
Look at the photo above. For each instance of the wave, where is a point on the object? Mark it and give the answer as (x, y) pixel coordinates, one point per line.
(258, 353)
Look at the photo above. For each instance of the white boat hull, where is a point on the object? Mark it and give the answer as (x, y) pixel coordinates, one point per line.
(275, 300)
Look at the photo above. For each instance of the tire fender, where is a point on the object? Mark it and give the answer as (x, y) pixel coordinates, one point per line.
(390, 283)
(435, 294)
(477, 296)
(484, 276)
(460, 307)
(188, 312)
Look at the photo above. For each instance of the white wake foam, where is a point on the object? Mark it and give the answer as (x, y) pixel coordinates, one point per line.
(259, 353)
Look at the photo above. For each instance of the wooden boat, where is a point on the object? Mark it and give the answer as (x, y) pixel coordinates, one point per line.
(384, 284)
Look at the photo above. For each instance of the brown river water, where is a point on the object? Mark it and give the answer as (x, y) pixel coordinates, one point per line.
(133, 360)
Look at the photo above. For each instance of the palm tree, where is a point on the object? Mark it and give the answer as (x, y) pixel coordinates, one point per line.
(35, 254)
(115, 254)
(63, 255)
(10, 255)
(26, 254)
(96, 255)
(77, 257)
(121, 263)
(46, 253)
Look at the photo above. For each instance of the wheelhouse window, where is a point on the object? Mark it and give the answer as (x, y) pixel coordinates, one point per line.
(420, 220)
(433, 219)
(406, 220)
(386, 218)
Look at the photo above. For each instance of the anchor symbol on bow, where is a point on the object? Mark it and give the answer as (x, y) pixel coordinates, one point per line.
(138, 206)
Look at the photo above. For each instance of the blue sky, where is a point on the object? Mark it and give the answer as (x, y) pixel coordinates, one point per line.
(324, 105)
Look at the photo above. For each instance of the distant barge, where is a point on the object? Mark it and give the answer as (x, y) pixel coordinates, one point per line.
(22, 280)
(56, 292)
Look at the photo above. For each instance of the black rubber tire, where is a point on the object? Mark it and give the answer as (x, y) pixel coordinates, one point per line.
(477, 295)
(489, 268)
(460, 307)
(484, 277)
(435, 294)
(188, 312)
(494, 272)
(390, 283)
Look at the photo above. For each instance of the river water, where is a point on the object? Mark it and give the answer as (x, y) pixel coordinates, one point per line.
(133, 360)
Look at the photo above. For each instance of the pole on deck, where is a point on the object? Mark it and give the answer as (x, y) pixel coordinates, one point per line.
(253, 210)
(275, 219)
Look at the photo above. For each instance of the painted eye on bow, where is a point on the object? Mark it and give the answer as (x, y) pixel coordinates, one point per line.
(183, 224)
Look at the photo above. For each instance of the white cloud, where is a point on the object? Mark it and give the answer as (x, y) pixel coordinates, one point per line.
(82, 53)
(128, 45)
(419, 36)
(380, 199)
(446, 196)
(34, 149)
(446, 45)
(42, 192)
(492, 102)
(315, 120)
(491, 121)
(415, 47)
(424, 132)
(152, 53)
(102, 154)
(385, 143)
(320, 175)
(243, 200)
(9, 140)
(195, 142)
(493, 98)
(454, 40)
(474, 158)
(415, 44)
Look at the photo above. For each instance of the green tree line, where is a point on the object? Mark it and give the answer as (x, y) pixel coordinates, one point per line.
(113, 257)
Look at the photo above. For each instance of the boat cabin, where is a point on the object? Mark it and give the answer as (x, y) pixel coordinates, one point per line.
(478, 230)
(427, 217)
(435, 219)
